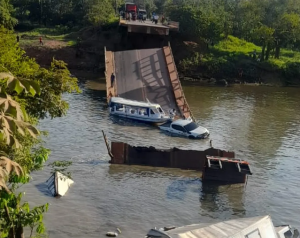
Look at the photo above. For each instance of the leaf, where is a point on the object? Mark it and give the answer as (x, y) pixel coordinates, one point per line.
(11, 107)
(7, 167)
(19, 85)
(10, 166)
(9, 127)
(4, 75)
(14, 85)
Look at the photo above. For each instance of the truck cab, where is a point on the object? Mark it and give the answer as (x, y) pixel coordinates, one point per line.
(142, 14)
(131, 8)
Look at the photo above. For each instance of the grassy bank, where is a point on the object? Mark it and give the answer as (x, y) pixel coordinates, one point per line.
(232, 59)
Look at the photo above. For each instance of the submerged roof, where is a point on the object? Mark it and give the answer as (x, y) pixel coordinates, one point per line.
(182, 122)
(133, 102)
(242, 226)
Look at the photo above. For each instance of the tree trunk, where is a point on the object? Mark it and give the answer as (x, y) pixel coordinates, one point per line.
(268, 51)
(262, 57)
(277, 51)
(20, 232)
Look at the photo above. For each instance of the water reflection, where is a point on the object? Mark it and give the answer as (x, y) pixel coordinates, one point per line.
(216, 198)
(179, 187)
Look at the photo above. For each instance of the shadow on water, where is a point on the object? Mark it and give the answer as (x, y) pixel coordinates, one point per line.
(178, 188)
(43, 188)
(215, 198)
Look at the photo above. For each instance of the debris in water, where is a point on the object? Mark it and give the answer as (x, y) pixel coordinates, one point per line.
(58, 184)
(111, 234)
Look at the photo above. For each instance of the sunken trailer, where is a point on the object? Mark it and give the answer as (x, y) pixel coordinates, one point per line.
(215, 164)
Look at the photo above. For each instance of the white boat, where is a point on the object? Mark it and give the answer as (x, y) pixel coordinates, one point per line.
(186, 128)
(253, 227)
(141, 111)
(59, 184)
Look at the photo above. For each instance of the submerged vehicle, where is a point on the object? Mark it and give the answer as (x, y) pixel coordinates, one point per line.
(253, 227)
(141, 111)
(186, 128)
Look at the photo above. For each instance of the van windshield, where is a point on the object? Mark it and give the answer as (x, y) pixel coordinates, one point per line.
(191, 126)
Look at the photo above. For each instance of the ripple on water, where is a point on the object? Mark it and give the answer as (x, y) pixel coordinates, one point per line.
(260, 124)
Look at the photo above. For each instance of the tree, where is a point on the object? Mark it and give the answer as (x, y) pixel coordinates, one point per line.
(6, 11)
(27, 94)
(100, 12)
(287, 31)
(265, 35)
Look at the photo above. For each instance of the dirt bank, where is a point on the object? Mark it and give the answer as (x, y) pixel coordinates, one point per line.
(85, 51)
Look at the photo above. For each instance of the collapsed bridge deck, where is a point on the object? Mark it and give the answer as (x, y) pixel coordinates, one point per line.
(146, 74)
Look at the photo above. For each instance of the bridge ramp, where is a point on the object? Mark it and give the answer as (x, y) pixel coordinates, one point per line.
(147, 74)
(143, 74)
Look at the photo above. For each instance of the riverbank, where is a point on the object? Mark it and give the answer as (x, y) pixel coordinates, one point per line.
(82, 50)
(225, 63)
(234, 61)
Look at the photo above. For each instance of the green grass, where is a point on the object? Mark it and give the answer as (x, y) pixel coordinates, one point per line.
(230, 54)
(232, 47)
(235, 46)
(54, 33)
(286, 56)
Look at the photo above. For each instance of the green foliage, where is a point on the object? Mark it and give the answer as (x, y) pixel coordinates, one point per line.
(100, 12)
(14, 216)
(61, 166)
(53, 82)
(292, 73)
(27, 93)
(233, 45)
(6, 11)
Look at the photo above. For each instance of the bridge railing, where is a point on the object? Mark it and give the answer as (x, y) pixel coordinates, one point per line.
(184, 108)
(109, 69)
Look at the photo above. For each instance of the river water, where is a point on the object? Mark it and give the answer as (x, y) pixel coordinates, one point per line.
(261, 124)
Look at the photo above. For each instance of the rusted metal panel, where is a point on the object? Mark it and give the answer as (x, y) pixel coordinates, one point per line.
(148, 156)
(228, 154)
(188, 159)
(118, 150)
(228, 174)
(211, 161)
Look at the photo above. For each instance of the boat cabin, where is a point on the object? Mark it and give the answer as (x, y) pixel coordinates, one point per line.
(137, 110)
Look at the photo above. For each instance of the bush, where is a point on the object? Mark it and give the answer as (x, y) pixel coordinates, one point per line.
(291, 72)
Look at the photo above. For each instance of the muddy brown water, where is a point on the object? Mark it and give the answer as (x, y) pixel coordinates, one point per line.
(261, 124)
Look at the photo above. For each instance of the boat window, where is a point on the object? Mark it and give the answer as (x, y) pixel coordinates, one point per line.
(191, 126)
(118, 106)
(253, 234)
(178, 128)
(152, 112)
(160, 110)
